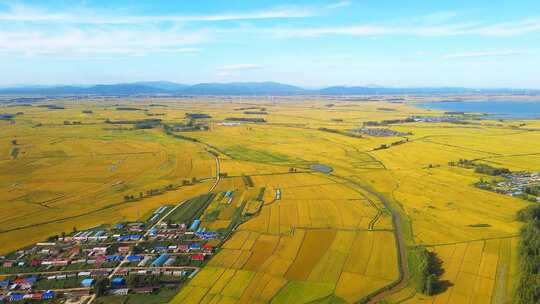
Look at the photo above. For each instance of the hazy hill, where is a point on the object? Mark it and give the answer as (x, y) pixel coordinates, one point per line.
(240, 88)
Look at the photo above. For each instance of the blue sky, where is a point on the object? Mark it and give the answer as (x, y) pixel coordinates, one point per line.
(309, 43)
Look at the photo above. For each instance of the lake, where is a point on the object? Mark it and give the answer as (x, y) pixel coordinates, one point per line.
(495, 109)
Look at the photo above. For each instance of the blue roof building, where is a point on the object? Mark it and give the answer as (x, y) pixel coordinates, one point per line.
(134, 258)
(87, 282)
(123, 238)
(135, 237)
(159, 261)
(48, 295)
(15, 297)
(195, 246)
(114, 258)
(118, 281)
(160, 248)
(195, 225)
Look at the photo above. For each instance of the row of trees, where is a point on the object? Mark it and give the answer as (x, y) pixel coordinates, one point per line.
(528, 287)
(480, 168)
(489, 170)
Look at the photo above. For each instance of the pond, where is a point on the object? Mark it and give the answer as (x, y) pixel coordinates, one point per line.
(322, 168)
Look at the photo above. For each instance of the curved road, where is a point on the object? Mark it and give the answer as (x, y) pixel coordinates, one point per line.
(400, 243)
(403, 279)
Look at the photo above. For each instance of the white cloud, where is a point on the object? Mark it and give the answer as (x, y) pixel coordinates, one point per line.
(484, 54)
(18, 13)
(449, 29)
(86, 42)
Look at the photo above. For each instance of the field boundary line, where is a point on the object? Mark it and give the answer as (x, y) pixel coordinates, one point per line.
(470, 241)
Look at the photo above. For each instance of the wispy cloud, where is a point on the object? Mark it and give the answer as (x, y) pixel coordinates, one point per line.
(519, 27)
(484, 54)
(79, 42)
(18, 13)
(339, 4)
(88, 32)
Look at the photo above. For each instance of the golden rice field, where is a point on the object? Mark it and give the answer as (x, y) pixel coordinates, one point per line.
(327, 237)
(311, 244)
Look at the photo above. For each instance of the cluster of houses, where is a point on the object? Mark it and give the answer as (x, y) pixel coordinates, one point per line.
(99, 248)
(160, 249)
(380, 132)
(21, 290)
(516, 184)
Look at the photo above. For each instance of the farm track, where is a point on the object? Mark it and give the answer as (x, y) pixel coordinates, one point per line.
(475, 240)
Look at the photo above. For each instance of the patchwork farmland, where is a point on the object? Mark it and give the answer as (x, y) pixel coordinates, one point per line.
(292, 209)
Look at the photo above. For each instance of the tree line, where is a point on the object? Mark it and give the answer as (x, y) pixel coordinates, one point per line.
(528, 286)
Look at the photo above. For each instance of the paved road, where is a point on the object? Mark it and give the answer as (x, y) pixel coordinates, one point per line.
(92, 269)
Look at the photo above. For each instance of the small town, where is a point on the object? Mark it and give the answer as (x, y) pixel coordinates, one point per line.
(126, 258)
(524, 185)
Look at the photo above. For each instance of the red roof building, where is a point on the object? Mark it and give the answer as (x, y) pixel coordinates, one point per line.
(197, 257)
(35, 263)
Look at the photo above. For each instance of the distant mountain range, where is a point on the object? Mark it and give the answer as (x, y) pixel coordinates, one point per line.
(239, 88)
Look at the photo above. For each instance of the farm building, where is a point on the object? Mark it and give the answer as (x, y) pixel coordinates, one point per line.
(117, 282)
(194, 247)
(48, 295)
(195, 225)
(134, 258)
(197, 257)
(170, 261)
(144, 261)
(15, 297)
(160, 260)
(87, 282)
(118, 292)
